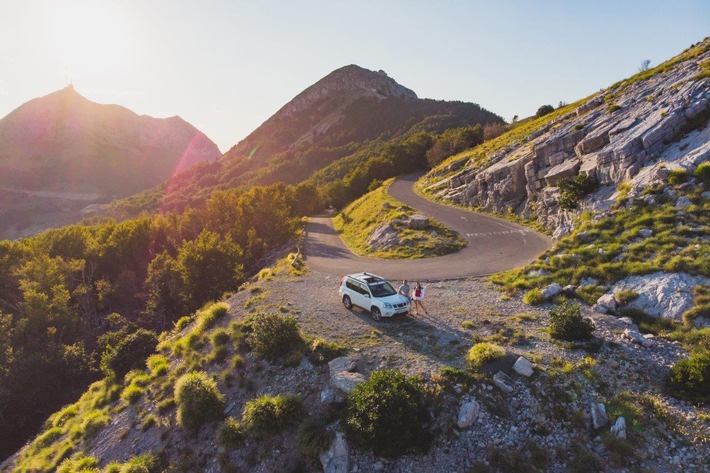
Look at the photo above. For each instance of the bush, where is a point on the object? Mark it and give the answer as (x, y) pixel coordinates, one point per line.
(231, 434)
(220, 337)
(689, 379)
(534, 297)
(132, 393)
(130, 353)
(322, 351)
(387, 413)
(544, 110)
(482, 353)
(572, 190)
(702, 173)
(157, 365)
(274, 336)
(314, 437)
(566, 323)
(270, 415)
(198, 400)
(677, 176)
(208, 317)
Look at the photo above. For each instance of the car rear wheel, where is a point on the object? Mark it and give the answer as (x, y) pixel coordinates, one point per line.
(376, 314)
(347, 302)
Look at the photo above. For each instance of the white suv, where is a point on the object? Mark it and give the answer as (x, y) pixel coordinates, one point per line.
(372, 293)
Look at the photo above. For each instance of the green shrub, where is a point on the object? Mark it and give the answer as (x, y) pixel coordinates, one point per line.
(573, 190)
(149, 422)
(323, 351)
(702, 173)
(47, 438)
(274, 336)
(157, 365)
(220, 337)
(625, 297)
(314, 437)
(182, 322)
(482, 353)
(130, 353)
(198, 400)
(270, 415)
(544, 110)
(219, 354)
(132, 393)
(231, 434)
(79, 462)
(388, 414)
(146, 463)
(534, 297)
(165, 405)
(689, 379)
(209, 316)
(566, 323)
(237, 362)
(677, 176)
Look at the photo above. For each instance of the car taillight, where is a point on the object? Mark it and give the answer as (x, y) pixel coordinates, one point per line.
(341, 281)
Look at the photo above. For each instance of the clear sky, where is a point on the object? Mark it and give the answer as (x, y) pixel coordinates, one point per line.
(226, 66)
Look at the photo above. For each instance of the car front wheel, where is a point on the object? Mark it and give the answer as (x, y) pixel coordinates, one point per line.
(376, 314)
(347, 302)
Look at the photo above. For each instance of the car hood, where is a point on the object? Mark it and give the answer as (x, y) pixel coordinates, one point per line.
(394, 299)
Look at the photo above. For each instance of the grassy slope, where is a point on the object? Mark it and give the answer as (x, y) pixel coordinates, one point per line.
(360, 218)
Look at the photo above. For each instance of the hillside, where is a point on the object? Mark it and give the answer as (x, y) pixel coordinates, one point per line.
(596, 357)
(350, 114)
(62, 152)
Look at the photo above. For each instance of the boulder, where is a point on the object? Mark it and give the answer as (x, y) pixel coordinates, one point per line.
(606, 304)
(346, 381)
(683, 202)
(418, 222)
(337, 458)
(503, 382)
(342, 363)
(645, 233)
(330, 395)
(587, 281)
(566, 170)
(468, 413)
(619, 428)
(523, 367)
(599, 417)
(384, 237)
(661, 294)
(551, 291)
(634, 335)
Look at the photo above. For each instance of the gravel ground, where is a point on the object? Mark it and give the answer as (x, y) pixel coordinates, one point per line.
(674, 438)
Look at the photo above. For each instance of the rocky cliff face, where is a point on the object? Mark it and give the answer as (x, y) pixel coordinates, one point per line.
(632, 132)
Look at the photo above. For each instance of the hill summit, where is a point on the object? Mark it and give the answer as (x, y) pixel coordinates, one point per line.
(80, 151)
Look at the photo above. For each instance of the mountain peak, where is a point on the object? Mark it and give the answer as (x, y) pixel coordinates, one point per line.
(348, 80)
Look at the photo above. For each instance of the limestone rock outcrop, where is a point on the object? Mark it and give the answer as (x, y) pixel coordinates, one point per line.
(630, 132)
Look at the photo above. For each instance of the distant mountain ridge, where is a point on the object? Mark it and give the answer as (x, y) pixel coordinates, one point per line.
(349, 109)
(64, 143)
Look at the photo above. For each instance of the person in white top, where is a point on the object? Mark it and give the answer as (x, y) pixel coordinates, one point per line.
(417, 296)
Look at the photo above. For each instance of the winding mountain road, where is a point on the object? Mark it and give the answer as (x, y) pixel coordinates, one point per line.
(493, 244)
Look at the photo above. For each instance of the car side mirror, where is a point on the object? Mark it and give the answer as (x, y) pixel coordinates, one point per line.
(366, 295)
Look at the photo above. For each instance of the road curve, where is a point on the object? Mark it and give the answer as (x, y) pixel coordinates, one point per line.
(493, 244)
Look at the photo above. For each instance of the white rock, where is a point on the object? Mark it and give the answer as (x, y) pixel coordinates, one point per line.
(683, 202)
(337, 458)
(661, 294)
(645, 233)
(585, 282)
(634, 335)
(342, 363)
(607, 303)
(503, 382)
(468, 413)
(330, 395)
(346, 381)
(599, 417)
(551, 291)
(523, 367)
(619, 428)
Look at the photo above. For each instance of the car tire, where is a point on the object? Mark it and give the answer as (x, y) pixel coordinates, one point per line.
(376, 314)
(347, 302)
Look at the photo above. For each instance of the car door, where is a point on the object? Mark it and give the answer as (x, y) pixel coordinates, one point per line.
(362, 295)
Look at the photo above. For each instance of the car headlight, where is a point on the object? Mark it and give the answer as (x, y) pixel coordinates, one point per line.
(388, 305)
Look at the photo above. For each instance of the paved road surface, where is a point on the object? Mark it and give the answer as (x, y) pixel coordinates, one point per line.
(493, 244)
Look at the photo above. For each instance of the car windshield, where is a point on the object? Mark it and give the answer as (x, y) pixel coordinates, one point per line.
(382, 289)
